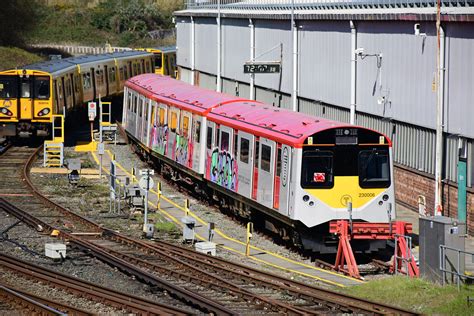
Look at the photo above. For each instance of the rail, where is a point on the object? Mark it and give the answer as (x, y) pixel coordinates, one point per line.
(305, 5)
(455, 266)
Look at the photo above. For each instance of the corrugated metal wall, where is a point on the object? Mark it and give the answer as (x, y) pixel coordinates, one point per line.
(185, 74)
(206, 44)
(325, 61)
(459, 110)
(269, 35)
(207, 81)
(235, 48)
(405, 75)
(183, 42)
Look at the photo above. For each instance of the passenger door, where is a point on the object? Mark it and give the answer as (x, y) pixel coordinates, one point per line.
(266, 172)
(173, 122)
(26, 98)
(284, 184)
(227, 170)
(245, 163)
(211, 151)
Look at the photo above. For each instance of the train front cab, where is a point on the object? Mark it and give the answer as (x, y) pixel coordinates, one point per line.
(25, 101)
(337, 166)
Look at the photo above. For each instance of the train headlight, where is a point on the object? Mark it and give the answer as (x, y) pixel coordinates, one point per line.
(385, 197)
(44, 112)
(305, 198)
(6, 111)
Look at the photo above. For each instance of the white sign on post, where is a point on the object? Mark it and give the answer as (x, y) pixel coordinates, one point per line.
(92, 110)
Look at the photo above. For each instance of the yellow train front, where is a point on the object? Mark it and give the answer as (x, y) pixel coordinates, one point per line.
(165, 60)
(29, 97)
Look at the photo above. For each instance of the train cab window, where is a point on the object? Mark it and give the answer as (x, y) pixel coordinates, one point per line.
(86, 81)
(266, 158)
(374, 168)
(244, 150)
(209, 137)
(224, 141)
(8, 87)
(25, 88)
(317, 169)
(158, 60)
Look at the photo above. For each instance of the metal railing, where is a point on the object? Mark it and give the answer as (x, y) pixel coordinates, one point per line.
(454, 267)
(320, 4)
(405, 258)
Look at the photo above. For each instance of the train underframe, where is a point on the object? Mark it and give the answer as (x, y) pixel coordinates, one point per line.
(314, 240)
(24, 129)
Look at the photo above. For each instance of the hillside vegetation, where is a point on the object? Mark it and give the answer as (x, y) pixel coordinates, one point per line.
(118, 22)
(12, 57)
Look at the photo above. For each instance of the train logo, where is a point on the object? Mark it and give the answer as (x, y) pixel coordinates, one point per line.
(346, 198)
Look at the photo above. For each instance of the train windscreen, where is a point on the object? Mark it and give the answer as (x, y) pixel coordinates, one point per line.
(321, 165)
(42, 87)
(8, 87)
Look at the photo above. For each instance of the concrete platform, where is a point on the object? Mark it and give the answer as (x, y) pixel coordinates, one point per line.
(175, 212)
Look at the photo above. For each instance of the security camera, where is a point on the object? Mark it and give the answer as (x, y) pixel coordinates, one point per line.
(417, 28)
(359, 51)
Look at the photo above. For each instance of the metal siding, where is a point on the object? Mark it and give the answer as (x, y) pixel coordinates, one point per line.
(229, 86)
(325, 61)
(408, 65)
(185, 75)
(206, 45)
(207, 81)
(269, 34)
(183, 42)
(244, 90)
(470, 164)
(235, 48)
(459, 77)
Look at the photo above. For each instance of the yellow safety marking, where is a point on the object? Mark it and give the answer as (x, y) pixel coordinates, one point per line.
(238, 241)
(86, 146)
(346, 189)
(85, 171)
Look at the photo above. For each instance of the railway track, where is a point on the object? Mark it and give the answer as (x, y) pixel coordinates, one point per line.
(28, 303)
(130, 303)
(212, 284)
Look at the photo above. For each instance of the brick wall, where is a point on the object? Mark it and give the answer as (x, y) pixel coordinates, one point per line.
(409, 184)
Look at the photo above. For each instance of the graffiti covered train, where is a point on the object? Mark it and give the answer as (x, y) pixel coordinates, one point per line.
(290, 172)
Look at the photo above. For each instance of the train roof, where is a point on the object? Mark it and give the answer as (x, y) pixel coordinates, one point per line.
(170, 91)
(281, 125)
(165, 49)
(52, 66)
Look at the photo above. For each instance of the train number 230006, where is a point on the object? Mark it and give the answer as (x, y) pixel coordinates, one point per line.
(366, 195)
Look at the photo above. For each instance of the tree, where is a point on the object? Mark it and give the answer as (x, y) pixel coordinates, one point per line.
(17, 17)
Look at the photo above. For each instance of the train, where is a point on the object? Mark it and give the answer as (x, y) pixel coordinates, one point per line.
(31, 95)
(288, 172)
(165, 60)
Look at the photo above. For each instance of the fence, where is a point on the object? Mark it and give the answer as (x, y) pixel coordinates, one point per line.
(321, 4)
(454, 267)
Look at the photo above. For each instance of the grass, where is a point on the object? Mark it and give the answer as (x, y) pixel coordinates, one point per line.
(12, 57)
(417, 295)
(166, 227)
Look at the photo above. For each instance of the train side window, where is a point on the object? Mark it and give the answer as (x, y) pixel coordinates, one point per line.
(129, 103)
(225, 141)
(8, 87)
(173, 122)
(145, 108)
(158, 60)
(278, 165)
(266, 158)
(162, 116)
(42, 88)
(197, 132)
(185, 125)
(244, 150)
(317, 169)
(257, 153)
(135, 104)
(235, 143)
(140, 107)
(374, 168)
(209, 137)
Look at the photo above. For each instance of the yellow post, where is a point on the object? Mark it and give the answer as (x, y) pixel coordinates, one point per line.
(249, 236)
(158, 195)
(186, 207)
